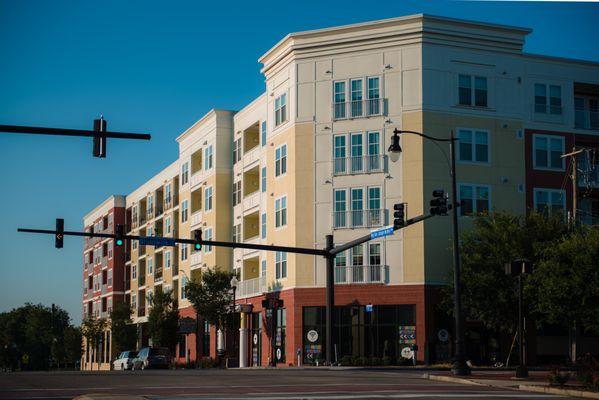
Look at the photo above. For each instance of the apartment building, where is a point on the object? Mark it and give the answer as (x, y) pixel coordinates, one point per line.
(103, 276)
(307, 158)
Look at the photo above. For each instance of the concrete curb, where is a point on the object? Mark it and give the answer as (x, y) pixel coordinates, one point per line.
(563, 392)
(443, 378)
(104, 396)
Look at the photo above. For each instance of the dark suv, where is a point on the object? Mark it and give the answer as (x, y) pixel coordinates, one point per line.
(149, 357)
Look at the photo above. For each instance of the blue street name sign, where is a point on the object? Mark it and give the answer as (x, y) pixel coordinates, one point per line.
(369, 308)
(384, 231)
(156, 241)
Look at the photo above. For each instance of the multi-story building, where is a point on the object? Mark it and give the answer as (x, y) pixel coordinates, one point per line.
(309, 159)
(103, 276)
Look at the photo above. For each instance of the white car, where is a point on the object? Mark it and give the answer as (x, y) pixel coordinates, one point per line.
(124, 361)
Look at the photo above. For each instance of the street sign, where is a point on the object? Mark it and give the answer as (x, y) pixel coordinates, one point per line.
(156, 241)
(312, 336)
(407, 352)
(369, 307)
(255, 338)
(279, 354)
(384, 231)
(407, 334)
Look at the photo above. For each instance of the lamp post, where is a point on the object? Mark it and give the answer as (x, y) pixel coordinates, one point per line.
(519, 268)
(459, 361)
(234, 283)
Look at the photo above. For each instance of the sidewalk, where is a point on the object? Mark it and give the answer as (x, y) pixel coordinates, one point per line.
(536, 382)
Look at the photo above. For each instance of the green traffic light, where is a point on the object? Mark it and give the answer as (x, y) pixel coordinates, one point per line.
(198, 246)
(119, 242)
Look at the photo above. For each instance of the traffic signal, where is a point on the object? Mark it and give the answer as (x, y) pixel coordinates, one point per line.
(100, 141)
(197, 237)
(399, 215)
(119, 235)
(59, 235)
(439, 203)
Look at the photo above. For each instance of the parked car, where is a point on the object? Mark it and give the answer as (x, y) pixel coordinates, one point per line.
(124, 361)
(151, 357)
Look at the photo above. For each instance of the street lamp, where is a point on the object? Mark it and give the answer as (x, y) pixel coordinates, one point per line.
(519, 268)
(234, 283)
(459, 361)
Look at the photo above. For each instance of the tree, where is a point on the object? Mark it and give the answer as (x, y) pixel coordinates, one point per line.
(123, 330)
(72, 344)
(211, 297)
(163, 320)
(488, 295)
(567, 281)
(93, 329)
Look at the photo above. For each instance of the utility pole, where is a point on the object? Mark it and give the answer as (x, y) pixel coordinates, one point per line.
(574, 178)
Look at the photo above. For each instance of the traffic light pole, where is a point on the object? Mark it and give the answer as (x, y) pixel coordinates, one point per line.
(329, 252)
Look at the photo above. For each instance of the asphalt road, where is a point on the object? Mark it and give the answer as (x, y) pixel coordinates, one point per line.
(246, 384)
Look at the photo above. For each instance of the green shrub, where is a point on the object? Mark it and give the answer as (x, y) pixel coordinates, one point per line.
(588, 371)
(558, 378)
(346, 361)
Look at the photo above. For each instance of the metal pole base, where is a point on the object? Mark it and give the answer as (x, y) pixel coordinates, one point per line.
(460, 368)
(521, 371)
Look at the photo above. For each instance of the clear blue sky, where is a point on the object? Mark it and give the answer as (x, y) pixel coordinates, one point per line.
(154, 68)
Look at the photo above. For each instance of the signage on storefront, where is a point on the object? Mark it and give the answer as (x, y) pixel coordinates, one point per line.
(407, 352)
(443, 335)
(407, 334)
(369, 307)
(255, 338)
(312, 336)
(279, 354)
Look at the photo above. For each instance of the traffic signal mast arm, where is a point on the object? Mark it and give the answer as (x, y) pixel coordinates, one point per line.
(38, 130)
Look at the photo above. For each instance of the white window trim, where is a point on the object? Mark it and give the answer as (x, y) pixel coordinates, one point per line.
(282, 278)
(275, 160)
(286, 213)
(287, 107)
(472, 104)
(474, 130)
(210, 238)
(474, 186)
(534, 152)
(547, 98)
(549, 192)
(206, 210)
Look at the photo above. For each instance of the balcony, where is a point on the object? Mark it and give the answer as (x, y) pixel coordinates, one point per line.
(585, 118)
(127, 284)
(360, 165)
(360, 109)
(360, 274)
(171, 201)
(251, 287)
(359, 218)
(158, 275)
(150, 213)
(141, 311)
(141, 280)
(175, 268)
(251, 137)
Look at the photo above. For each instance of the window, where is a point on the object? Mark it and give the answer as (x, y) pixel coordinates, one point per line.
(374, 151)
(134, 244)
(150, 231)
(184, 252)
(263, 269)
(281, 212)
(236, 193)
(339, 100)
(374, 106)
(134, 272)
(110, 247)
(167, 225)
(208, 196)
(549, 201)
(263, 132)
(356, 97)
(356, 153)
(374, 206)
(184, 173)
(167, 193)
(339, 154)
(281, 265)
(474, 199)
(281, 109)
(150, 267)
(357, 262)
(341, 267)
(281, 160)
(340, 207)
(237, 233)
(547, 151)
(357, 207)
(551, 104)
(134, 301)
(468, 96)
(208, 162)
(263, 181)
(167, 259)
(183, 286)
(473, 145)
(236, 151)
(184, 211)
(208, 236)
(263, 226)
